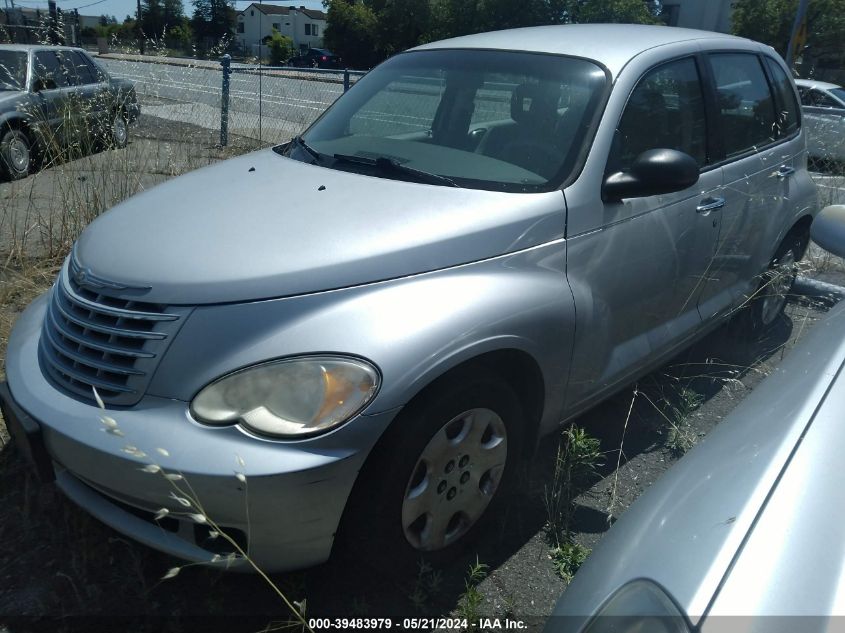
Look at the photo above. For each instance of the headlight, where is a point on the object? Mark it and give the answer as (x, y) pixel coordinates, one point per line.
(291, 398)
(640, 606)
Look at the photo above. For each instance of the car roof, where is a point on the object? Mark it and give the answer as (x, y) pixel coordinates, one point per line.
(812, 83)
(610, 44)
(36, 47)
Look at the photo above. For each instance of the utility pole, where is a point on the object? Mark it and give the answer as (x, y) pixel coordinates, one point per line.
(53, 21)
(800, 17)
(140, 30)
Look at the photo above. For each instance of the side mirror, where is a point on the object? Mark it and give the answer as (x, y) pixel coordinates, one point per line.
(653, 172)
(828, 229)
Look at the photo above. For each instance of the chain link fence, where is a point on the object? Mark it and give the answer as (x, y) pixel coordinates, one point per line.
(265, 103)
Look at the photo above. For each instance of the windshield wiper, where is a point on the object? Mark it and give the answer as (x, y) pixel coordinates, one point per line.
(386, 164)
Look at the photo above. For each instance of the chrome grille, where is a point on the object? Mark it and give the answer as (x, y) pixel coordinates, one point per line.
(90, 339)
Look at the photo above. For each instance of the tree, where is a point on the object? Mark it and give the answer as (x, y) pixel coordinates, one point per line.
(152, 18)
(174, 13)
(770, 22)
(351, 32)
(213, 22)
(615, 11)
(402, 24)
(366, 31)
(281, 48)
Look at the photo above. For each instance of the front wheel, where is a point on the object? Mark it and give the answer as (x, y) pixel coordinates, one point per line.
(15, 154)
(438, 474)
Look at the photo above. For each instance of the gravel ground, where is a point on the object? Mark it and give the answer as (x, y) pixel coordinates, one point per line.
(62, 570)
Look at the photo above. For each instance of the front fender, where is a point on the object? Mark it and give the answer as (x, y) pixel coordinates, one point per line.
(413, 329)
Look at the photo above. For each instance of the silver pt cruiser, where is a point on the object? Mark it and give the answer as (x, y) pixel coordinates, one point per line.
(360, 333)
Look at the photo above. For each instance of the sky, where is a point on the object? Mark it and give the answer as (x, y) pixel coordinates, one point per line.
(121, 8)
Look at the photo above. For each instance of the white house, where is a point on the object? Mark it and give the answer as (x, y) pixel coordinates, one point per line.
(709, 15)
(304, 26)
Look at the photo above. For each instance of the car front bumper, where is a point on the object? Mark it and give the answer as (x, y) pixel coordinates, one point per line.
(287, 507)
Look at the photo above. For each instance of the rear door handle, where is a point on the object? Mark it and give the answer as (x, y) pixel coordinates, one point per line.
(784, 171)
(710, 204)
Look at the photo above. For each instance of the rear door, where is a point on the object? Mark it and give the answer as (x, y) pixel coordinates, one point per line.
(759, 139)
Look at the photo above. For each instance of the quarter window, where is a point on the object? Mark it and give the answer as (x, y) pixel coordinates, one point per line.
(787, 120)
(665, 111)
(746, 106)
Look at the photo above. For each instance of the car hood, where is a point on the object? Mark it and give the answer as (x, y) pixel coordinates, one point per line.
(263, 226)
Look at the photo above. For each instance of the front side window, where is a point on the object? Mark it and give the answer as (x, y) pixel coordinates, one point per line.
(12, 70)
(48, 71)
(746, 107)
(787, 111)
(664, 111)
(485, 119)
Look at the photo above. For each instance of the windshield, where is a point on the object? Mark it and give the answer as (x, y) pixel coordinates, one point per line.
(498, 120)
(12, 70)
(839, 93)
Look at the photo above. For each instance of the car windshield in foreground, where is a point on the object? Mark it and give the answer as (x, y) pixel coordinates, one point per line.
(839, 93)
(499, 120)
(12, 70)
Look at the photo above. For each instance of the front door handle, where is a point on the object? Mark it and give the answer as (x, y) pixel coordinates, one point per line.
(784, 171)
(710, 204)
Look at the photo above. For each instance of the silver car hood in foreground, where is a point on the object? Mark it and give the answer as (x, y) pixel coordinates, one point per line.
(751, 521)
(262, 226)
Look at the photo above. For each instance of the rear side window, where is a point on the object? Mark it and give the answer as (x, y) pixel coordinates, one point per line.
(746, 106)
(77, 70)
(84, 71)
(665, 111)
(787, 106)
(818, 99)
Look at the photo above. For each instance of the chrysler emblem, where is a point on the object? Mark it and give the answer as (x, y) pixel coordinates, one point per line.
(84, 277)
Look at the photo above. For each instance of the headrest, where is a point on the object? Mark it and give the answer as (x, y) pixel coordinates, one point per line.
(533, 103)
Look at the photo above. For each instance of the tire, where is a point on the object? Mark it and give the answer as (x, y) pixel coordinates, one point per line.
(119, 131)
(15, 154)
(439, 473)
(769, 300)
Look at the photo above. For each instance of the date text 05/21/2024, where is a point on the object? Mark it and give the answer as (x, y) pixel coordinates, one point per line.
(456, 624)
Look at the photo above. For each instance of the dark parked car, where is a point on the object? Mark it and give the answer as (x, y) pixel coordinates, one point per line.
(54, 97)
(316, 58)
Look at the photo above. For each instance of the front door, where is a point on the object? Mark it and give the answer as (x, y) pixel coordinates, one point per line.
(637, 280)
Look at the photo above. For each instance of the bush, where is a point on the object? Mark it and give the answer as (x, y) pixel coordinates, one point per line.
(281, 48)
